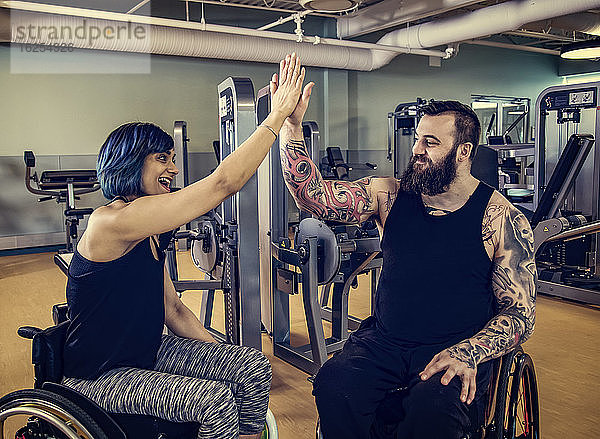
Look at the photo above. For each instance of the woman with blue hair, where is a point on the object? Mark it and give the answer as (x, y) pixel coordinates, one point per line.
(120, 294)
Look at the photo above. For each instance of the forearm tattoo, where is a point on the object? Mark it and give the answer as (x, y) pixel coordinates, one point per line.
(344, 201)
(513, 284)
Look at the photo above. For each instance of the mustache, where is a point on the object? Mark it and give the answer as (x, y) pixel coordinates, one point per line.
(422, 158)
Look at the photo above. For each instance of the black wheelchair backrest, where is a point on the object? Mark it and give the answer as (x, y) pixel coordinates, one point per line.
(46, 352)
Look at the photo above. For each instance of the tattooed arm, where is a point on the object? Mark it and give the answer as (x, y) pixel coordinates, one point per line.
(508, 238)
(336, 200)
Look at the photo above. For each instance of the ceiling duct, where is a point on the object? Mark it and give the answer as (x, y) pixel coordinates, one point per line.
(483, 22)
(390, 13)
(584, 22)
(186, 38)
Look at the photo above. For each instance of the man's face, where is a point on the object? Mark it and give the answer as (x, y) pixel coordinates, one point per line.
(432, 167)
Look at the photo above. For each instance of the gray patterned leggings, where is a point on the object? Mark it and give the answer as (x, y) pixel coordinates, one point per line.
(222, 387)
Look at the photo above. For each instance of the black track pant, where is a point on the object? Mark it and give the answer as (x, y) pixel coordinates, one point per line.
(350, 387)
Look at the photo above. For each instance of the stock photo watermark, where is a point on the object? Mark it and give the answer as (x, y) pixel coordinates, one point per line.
(78, 45)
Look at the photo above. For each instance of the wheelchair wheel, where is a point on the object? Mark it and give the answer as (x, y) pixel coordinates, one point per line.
(318, 434)
(45, 415)
(270, 431)
(517, 408)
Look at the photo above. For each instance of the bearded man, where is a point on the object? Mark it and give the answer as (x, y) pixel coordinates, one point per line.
(457, 286)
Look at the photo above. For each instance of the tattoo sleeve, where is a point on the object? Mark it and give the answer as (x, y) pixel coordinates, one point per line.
(513, 284)
(335, 200)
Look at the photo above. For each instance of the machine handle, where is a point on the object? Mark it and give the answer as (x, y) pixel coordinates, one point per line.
(390, 134)
(29, 159)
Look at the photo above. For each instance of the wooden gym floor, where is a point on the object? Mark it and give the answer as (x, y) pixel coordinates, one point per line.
(565, 348)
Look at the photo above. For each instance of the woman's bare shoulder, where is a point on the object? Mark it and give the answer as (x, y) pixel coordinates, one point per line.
(100, 242)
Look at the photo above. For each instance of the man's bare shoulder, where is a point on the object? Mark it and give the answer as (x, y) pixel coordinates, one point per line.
(499, 213)
(385, 190)
(384, 184)
(494, 217)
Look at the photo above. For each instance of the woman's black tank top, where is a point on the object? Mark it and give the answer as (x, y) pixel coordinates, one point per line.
(435, 285)
(116, 310)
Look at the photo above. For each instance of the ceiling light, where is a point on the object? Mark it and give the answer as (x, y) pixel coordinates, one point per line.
(329, 5)
(581, 50)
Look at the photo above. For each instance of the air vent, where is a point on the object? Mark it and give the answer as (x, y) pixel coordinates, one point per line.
(329, 5)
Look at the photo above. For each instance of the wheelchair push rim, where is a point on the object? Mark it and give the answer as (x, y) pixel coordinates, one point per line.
(52, 410)
(522, 420)
(270, 431)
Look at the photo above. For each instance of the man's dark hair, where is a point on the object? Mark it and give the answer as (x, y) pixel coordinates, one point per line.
(466, 123)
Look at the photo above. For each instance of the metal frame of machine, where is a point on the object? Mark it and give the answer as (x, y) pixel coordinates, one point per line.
(580, 189)
(64, 186)
(222, 239)
(321, 255)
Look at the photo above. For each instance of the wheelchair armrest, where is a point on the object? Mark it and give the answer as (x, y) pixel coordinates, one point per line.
(60, 313)
(28, 332)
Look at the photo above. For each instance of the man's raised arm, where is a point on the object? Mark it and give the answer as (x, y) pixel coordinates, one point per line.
(345, 201)
(336, 200)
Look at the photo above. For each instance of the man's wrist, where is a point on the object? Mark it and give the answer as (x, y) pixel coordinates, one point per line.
(291, 125)
(292, 129)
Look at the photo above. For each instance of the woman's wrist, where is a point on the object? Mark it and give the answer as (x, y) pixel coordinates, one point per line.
(275, 120)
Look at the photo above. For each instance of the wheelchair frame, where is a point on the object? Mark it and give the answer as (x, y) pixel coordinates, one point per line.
(59, 412)
(512, 411)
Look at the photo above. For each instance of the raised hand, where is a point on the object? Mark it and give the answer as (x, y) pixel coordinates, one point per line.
(298, 114)
(286, 90)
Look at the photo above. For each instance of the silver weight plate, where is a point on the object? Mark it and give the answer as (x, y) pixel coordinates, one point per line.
(205, 261)
(328, 255)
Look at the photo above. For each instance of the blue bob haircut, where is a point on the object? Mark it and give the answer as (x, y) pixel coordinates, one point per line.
(121, 157)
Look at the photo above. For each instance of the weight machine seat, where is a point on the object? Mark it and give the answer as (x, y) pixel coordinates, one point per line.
(59, 180)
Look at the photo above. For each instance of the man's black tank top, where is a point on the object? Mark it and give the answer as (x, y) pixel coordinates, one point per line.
(435, 285)
(116, 310)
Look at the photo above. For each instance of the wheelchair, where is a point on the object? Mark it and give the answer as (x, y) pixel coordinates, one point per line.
(512, 410)
(53, 411)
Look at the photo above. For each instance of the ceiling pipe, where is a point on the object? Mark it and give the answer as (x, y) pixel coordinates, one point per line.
(584, 22)
(513, 47)
(185, 38)
(490, 20)
(391, 13)
(282, 20)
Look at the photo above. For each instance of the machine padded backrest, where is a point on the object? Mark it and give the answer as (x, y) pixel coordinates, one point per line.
(485, 166)
(47, 352)
(557, 179)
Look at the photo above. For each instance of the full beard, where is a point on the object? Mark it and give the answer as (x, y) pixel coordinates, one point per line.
(434, 179)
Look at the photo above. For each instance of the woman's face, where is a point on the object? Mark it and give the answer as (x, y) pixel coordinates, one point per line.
(158, 172)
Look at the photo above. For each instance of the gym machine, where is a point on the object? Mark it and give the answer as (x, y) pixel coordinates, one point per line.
(402, 124)
(567, 194)
(64, 187)
(320, 255)
(224, 242)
